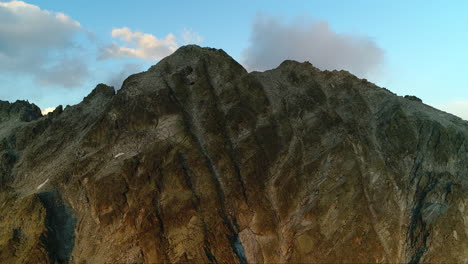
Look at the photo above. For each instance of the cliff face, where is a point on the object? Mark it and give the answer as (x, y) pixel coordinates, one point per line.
(196, 160)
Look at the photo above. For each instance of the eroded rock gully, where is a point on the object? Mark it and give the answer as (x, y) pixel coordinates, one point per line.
(196, 160)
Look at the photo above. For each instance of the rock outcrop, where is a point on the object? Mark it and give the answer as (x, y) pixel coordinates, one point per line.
(196, 160)
(20, 110)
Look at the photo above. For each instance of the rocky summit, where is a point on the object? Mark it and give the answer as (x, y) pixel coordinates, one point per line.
(199, 161)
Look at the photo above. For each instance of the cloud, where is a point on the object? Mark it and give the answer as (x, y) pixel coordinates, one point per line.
(116, 79)
(47, 110)
(139, 45)
(190, 37)
(273, 41)
(66, 72)
(458, 108)
(38, 43)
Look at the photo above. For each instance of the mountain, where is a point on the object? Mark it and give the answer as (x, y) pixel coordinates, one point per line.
(196, 160)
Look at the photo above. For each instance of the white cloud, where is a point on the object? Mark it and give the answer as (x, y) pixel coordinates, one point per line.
(139, 45)
(273, 41)
(458, 108)
(34, 41)
(190, 37)
(66, 19)
(47, 110)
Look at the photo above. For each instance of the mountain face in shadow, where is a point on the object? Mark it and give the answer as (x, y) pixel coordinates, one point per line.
(196, 160)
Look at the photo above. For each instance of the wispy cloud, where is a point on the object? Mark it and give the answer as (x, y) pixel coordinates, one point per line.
(138, 45)
(66, 72)
(116, 79)
(191, 37)
(38, 42)
(272, 41)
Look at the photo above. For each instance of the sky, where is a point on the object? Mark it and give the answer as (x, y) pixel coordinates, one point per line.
(54, 52)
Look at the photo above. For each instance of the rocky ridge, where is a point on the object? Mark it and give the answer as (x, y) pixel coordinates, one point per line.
(197, 160)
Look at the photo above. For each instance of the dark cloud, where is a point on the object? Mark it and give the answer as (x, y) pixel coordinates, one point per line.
(39, 43)
(272, 41)
(116, 79)
(66, 73)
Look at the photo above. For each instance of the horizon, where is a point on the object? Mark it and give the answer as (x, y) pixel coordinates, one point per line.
(54, 53)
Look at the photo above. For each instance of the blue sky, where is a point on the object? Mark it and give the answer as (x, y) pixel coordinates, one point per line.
(409, 47)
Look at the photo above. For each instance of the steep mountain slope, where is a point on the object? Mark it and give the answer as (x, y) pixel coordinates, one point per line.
(196, 160)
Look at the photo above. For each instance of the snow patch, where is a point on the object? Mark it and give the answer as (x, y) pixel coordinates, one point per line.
(118, 155)
(42, 184)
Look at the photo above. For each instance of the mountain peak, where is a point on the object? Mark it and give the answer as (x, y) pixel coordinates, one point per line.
(100, 90)
(19, 110)
(186, 64)
(191, 55)
(197, 160)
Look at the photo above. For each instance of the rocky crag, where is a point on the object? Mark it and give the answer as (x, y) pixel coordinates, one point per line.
(198, 161)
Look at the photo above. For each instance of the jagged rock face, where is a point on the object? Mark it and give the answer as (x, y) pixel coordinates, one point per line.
(20, 110)
(11, 118)
(197, 160)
